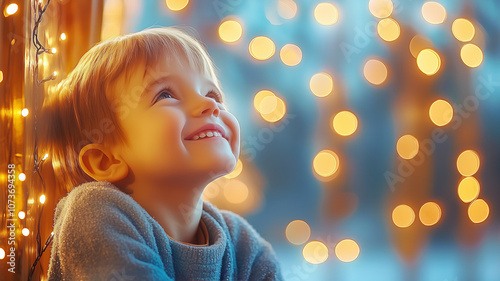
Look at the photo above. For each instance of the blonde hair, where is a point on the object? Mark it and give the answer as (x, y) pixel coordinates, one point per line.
(77, 112)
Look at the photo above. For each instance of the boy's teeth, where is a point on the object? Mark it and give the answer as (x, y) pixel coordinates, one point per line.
(207, 134)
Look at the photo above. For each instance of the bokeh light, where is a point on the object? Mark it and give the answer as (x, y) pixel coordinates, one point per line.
(381, 8)
(430, 213)
(42, 199)
(463, 29)
(345, 123)
(326, 163)
(315, 252)
(478, 211)
(176, 5)
(433, 12)
(25, 231)
(375, 71)
(10, 10)
(419, 43)
(403, 216)
(230, 31)
(388, 29)
(237, 170)
(321, 84)
(22, 176)
(468, 189)
(261, 48)
(279, 111)
(2, 253)
(407, 146)
(468, 163)
(471, 55)
(21, 215)
(428, 61)
(236, 192)
(298, 232)
(1, 76)
(326, 14)
(441, 112)
(261, 98)
(287, 9)
(25, 112)
(291, 54)
(347, 250)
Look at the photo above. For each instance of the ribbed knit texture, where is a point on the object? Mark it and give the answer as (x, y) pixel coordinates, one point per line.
(101, 233)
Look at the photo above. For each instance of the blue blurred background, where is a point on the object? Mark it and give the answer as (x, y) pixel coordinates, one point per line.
(278, 182)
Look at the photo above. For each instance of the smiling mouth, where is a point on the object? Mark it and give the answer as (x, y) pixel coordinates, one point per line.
(207, 135)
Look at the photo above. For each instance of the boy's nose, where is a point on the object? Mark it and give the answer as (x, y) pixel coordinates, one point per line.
(205, 106)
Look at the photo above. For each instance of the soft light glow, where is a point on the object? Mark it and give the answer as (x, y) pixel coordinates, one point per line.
(21, 215)
(54, 74)
(428, 61)
(25, 231)
(315, 252)
(463, 29)
(176, 5)
(433, 12)
(478, 211)
(375, 71)
(261, 98)
(430, 213)
(287, 9)
(22, 177)
(25, 112)
(11, 9)
(388, 29)
(468, 163)
(321, 84)
(53, 50)
(471, 55)
(407, 146)
(236, 192)
(345, 123)
(326, 14)
(326, 163)
(45, 156)
(418, 43)
(1, 76)
(42, 199)
(278, 112)
(261, 48)
(441, 112)
(268, 104)
(297, 232)
(237, 170)
(403, 216)
(468, 189)
(230, 31)
(291, 54)
(381, 8)
(63, 36)
(2, 253)
(347, 250)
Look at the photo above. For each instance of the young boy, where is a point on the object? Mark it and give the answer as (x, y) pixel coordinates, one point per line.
(139, 128)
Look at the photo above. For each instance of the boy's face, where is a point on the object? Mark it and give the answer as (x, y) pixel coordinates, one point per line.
(160, 111)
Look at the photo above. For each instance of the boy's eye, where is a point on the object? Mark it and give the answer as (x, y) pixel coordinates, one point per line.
(216, 96)
(164, 93)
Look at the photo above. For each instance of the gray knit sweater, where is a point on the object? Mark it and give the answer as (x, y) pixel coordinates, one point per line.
(101, 233)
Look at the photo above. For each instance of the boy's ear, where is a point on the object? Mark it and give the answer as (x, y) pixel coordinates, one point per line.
(100, 164)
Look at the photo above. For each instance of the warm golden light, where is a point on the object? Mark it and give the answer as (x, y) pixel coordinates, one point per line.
(381, 8)
(441, 112)
(463, 29)
(230, 31)
(326, 163)
(468, 163)
(468, 189)
(21, 215)
(478, 211)
(321, 84)
(287, 9)
(418, 43)
(53, 50)
(291, 54)
(433, 12)
(261, 48)
(345, 123)
(25, 231)
(428, 61)
(25, 112)
(236, 192)
(403, 216)
(42, 199)
(429, 214)
(297, 232)
(1, 76)
(176, 5)
(45, 156)
(237, 170)
(2, 253)
(10, 10)
(471, 55)
(315, 252)
(259, 98)
(22, 177)
(278, 113)
(375, 71)
(407, 147)
(63, 36)
(388, 29)
(268, 104)
(347, 250)
(326, 14)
